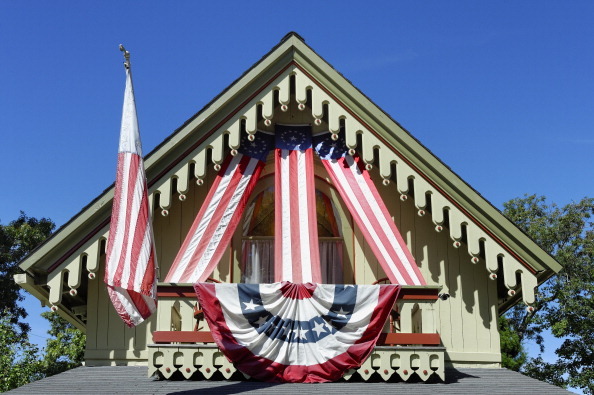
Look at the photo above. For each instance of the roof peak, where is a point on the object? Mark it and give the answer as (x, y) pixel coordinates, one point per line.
(292, 34)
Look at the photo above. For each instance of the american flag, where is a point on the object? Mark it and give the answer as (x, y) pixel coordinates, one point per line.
(221, 212)
(130, 263)
(285, 332)
(364, 202)
(297, 256)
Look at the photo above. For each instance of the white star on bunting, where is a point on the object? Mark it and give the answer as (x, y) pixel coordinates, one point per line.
(261, 321)
(250, 305)
(319, 328)
(303, 334)
(341, 313)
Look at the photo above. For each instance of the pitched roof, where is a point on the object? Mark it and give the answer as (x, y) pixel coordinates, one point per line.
(238, 103)
(133, 379)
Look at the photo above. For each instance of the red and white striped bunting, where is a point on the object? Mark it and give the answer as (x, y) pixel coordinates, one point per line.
(130, 262)
(214, 225)
(371, 215)
(297, 255)
(300, 333)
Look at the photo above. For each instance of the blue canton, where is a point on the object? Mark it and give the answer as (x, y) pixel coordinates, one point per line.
(327, 148)
(293, 137)
(293, 331)
(257, 149)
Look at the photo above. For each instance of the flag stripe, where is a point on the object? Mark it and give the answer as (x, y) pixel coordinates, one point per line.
(295, 218)
(216, 221)
(141, 248)
(132, 307)
(208, 209)
(130, 261)
(281, 230)
(391, 236)
(354, 202)
(139, 240)
(115, 218)
(224, 230)
(296, 252)
(372, 217)
(303, 215)
(315, 267)
(122, 218)
(212, 217)
(381, 227)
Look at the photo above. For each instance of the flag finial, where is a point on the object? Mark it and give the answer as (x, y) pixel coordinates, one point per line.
(126, 56)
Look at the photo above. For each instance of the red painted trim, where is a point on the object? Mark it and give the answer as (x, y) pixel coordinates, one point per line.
(419, 297)
(425, 339)
(392, 339)
(182, 337)
(78, 245)
(187, 291)
(418, 294)
(176, 291)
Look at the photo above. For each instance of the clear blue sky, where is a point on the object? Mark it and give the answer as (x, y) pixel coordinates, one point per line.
(502, 92)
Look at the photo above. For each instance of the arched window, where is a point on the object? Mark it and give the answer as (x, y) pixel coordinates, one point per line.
(330, 240)
(257, 246)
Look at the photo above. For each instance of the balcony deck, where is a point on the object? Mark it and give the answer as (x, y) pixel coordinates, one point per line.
(408, 347)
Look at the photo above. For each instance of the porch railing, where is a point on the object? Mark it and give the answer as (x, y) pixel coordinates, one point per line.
(410, 343)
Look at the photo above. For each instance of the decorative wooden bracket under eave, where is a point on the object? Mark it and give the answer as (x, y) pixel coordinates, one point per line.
(28, 284)
(258, 96)
(330, 114)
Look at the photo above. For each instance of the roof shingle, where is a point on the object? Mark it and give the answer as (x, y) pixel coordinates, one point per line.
(133, 379)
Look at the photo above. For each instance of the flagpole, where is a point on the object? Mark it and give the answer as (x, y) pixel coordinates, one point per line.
(130, 263)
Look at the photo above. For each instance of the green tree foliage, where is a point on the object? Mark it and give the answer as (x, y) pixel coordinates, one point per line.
(65, 349)
(513, 355)
(17, 239)
(565, 303)
(19, 362)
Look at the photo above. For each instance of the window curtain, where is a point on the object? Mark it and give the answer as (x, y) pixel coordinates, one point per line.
(331, 261)
(257, 261)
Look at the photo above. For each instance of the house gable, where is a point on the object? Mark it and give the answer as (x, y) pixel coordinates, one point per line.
(293, 79)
